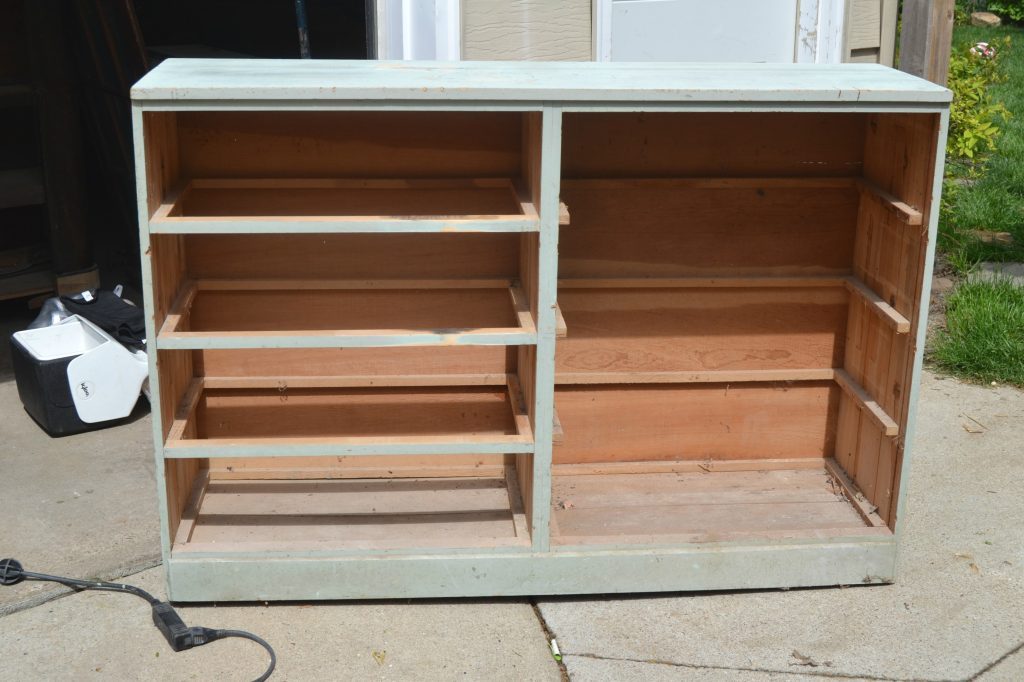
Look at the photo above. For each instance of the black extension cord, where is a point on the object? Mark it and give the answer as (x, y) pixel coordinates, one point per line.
(179, 636)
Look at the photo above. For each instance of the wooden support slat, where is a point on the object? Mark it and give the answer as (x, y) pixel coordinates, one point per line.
(701, 282)
(179, 308)
(702, 377)
(519, 412)
(352, 183)
(526, 202)
(689, 466)
(171, 217)
(878, 305)
(185, 410)
(465, 224)
(561, 330)
(563, 215)
(521, 305)
(362, 338)
(515, 501)
(441, 469)
(557, 432)
(191, 511)
(712, 183)
(904, 212)
(361, 381)
(447, 444)
(867, 511)
(346, 284)
(868, 404)
(171, 201)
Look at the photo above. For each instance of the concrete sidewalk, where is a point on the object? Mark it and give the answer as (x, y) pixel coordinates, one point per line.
(86, 506)
(957, 610)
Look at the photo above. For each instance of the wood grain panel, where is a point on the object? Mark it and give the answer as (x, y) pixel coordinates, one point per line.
(708, 506)
(384, 363)
(666, 330)
(162, 165)
(353, 256)
(711, 144)
(653, 230)
(175, 373)
(705, 421)
(351, 309)
(889, 256)
(355, 514)
(268, 413)
(349, 144)
(170, 268)
(346, 201)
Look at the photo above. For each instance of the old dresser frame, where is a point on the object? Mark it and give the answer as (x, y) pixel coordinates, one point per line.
(546, 93)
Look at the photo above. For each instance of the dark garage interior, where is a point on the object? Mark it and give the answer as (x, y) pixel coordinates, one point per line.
(67, 181)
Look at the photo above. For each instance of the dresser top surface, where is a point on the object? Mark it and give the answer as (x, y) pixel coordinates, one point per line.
(565, 83)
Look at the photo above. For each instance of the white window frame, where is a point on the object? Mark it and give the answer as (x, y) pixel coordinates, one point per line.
(419, 29)
(819, 31)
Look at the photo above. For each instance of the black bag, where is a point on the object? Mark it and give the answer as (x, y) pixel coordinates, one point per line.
(111, 313)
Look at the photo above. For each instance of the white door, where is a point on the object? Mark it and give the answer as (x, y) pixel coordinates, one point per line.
(719, 30)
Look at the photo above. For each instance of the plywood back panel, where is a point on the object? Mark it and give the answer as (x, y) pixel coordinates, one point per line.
(352, 309)
(899, 155)
(373, 144)
(353, 256)
(160, 131)
(294, 413)
(382, 363)
(175, 372)
(706, 421)
(666, 330)
(390, 466)
(653, 230)
(167, 252)
(648, 144)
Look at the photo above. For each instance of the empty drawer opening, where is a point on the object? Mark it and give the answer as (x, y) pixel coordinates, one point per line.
(708, 502)
(226, 515)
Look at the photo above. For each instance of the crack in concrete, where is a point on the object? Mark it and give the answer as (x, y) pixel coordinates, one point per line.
(804, 673)
(996, 662)
(58, 591)
(548, 636)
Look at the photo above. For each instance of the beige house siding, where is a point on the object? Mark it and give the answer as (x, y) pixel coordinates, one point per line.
(870, 31)
(531, 30)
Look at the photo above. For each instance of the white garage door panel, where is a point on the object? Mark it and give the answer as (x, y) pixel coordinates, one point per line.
(698, 30)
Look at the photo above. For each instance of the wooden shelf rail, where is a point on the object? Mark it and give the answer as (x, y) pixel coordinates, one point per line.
(181, 443)
(866, 403)
(694, 377)
(175, 333)
(853, 284)
(327, 205)
(903, 211)
(878, 305)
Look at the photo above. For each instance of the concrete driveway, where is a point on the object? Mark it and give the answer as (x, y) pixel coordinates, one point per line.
(86, 506)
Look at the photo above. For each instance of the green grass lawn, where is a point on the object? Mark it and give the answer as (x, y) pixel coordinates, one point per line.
(995, 202)
(984, 335)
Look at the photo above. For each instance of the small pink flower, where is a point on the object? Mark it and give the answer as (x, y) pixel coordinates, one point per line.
(984, 50)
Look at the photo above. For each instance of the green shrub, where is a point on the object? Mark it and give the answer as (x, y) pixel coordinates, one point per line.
(1008, 9)
(974, 116)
